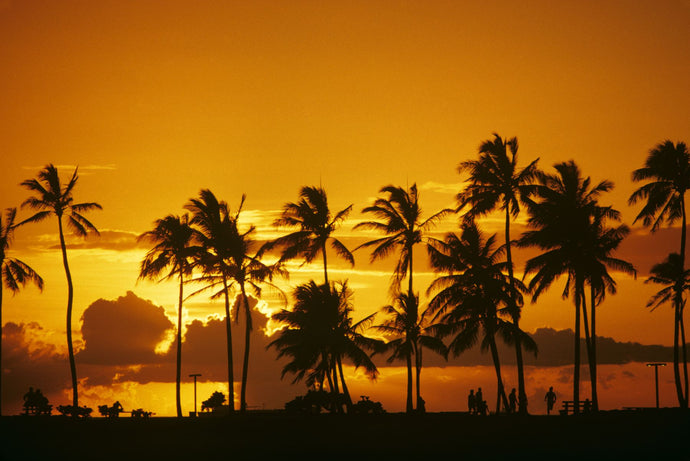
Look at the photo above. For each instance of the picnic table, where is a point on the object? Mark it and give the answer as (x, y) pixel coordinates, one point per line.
(568, 407)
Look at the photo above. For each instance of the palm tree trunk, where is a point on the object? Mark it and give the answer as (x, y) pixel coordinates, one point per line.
(346, 391)
(228, 336)
(593, 354)
(336, 390)
(588, 344)
(576, 372)
(1, 285)
(676, 355)
(245, 364)
(684, 353)
(408, 407)
(418, 373)
(178, 375)
(70, 299)
(522, 395)
(682, 395)
(501, 393)
(325, 271)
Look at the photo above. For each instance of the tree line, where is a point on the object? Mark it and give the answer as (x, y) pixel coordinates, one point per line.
(475, 298)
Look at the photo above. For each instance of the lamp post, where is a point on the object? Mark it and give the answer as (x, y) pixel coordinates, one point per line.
(195, 376)
(656, 366)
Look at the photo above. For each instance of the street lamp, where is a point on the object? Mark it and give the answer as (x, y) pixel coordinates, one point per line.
(656, 378)
(195, 376)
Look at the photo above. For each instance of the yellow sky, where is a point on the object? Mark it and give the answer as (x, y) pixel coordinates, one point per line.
(155, 100)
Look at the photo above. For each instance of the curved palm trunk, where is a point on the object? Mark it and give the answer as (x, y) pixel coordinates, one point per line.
(70, 299)
(346, 391)
(681, 306)
(522, 395)
(228, 336)
(684, 352)
(576, 372)
(676, 355)
(178, 375)
(501, 393)
(245, 364)
(408, 407)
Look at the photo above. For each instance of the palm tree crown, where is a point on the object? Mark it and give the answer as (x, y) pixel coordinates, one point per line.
(316, 226)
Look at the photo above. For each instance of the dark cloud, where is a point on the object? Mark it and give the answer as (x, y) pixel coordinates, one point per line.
(556, 349)
(28, 361)
(123, 332)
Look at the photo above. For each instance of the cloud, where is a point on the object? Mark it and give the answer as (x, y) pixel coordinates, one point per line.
(84, 170)
(126, 331)
(116, 240)
(28, 361)
(441, 188)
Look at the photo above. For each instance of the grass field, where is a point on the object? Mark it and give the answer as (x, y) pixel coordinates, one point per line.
(276, 435)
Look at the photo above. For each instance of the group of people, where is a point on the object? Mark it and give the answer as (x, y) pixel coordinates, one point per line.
(35, 403)
(477, 405)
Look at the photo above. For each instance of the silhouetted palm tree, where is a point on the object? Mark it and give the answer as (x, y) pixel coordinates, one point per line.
(667, 176)
(409, 337)
(53, 199)
(560, 220)
(13, 272)
(320, 333)
(497, 182)
(474, 295)
(217, 230)
(173, 252)
(244, 268)
(600, 242)
(313, 218)
(400, 218)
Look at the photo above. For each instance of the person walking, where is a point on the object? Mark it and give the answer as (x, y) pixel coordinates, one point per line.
(472, 402)
(550, 398)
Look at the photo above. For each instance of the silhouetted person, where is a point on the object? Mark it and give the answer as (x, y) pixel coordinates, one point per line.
(116, 409)
(587, 406)
(481, 404)
(512, 401)
(421, 406)
(550, 398)
(472, 402)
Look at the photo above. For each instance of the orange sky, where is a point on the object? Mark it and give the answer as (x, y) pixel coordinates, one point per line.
(156, 99)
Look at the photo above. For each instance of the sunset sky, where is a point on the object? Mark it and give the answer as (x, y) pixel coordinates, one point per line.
(155, 100)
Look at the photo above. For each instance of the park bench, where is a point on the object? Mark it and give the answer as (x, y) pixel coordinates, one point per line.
(568, 407)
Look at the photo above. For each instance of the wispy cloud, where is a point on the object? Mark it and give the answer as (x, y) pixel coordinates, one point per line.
(85, 170)
(441, 188)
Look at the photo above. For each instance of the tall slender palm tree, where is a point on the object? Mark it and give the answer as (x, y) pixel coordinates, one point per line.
(13, 272)
(245, 270)
(497, 182)
(667, 175)
(216, 229)
(320, 333)
(408, 337)
(474, 295)
(316, 226)
(600, 243)
(51, 198)
(400, 218)
(174, 248)
(561, 216)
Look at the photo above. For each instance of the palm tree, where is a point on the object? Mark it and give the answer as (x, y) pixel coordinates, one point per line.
(409, 336)
(400, 218)
(216, 230)
(53, 199)
(667, 175)
(313, 218)
(320, 333)
(497, 182)
(600, 242)
(244, 268)
(561, 217)
(474, 295)
(13, 272)
(173, 253)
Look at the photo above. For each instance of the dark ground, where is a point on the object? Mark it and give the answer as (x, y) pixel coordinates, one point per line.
(648, 435)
